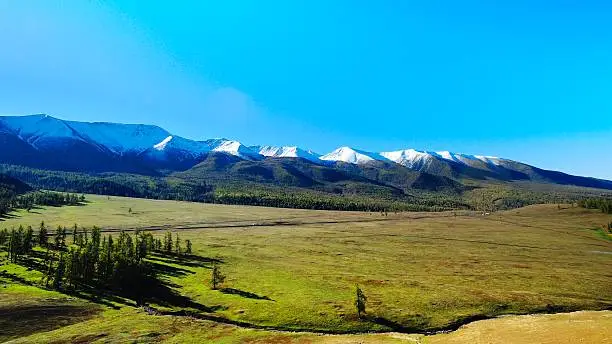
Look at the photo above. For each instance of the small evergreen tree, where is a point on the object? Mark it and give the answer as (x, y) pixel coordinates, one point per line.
(48, 266)
(177, 245)
(59, 272)
(85, 238)
(4, 236)
(72, 260)
(28, 239)
(360, 301)
(42, 235)
(217, 277)
(15, 244)
(188, 246)
(168, 242)
(75, 234)
(60, 237)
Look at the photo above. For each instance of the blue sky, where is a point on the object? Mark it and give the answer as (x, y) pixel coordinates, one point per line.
(526, 80)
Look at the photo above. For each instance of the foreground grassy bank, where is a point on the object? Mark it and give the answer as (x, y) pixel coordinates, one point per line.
(134, 325)
(296, 269)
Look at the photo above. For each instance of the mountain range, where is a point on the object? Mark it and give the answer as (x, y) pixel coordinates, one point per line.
(46, 142)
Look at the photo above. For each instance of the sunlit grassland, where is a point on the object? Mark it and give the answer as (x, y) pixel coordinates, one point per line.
(297, 269)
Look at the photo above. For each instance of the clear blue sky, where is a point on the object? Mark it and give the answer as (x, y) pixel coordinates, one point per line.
(526, 80)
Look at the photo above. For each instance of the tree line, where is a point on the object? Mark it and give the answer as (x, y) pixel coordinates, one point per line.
(321, 201)
(113, 262)
(605, 205)
(28, 201)
(112, 184)
(119, 184)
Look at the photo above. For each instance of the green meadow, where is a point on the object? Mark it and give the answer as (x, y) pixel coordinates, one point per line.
(291, 274)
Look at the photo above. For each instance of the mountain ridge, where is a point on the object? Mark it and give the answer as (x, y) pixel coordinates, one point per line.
(43, 141)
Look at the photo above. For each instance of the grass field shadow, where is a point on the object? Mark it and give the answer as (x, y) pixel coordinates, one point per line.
(244, 294)
(24, 320)
(156, 288)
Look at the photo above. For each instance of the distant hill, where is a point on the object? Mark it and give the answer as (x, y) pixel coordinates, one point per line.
(48, 143)
(10, 188)
(12, 185)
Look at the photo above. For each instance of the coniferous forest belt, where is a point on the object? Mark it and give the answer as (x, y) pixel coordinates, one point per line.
(350, 195)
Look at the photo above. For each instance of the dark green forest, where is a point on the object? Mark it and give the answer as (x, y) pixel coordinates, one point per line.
(15, 194)
(605, 205)
(79, 259)
(367, 189)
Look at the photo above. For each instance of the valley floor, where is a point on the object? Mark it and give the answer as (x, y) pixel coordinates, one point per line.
(295, 270)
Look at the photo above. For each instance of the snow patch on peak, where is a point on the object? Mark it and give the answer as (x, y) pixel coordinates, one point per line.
(287, 152)
(491, 160)
(234, 148)
(458, 158)
(352, 156)
(160, 146)
(467, 159)
(408, 157)
(121, 138)
(39, 129)
(446, 155)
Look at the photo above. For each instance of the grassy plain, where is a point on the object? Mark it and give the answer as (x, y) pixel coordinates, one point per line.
(296, 270)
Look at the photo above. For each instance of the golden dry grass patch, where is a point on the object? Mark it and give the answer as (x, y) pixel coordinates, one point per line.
(577, 327)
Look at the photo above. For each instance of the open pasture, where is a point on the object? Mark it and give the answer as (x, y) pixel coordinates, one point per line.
(296, 270)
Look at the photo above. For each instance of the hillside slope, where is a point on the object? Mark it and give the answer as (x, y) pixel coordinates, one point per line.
(148, 161)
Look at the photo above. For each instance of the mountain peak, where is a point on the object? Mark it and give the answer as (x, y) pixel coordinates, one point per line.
(410, 158)
(44, 141)
(352, 156)
(233, 147)
(286, 152)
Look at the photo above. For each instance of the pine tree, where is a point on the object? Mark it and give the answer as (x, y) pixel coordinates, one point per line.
(177, 245)
(28, 240)
(168, 242)
(13, 246)
(72, 267)
(107, 260)
(42, 235)
(217, 277)
(49, 265)
(188, 246)
(4, 236)
(96, 236)
(85, 238)
(360, 301)
(75, 234)
(59, 272)
(16, 246)
(59, 238)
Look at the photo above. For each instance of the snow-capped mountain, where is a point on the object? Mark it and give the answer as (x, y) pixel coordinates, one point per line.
(352, 156)
(287, 152)
(410, 158)
(471, 160)
(120, 138)
(177, 143)
(176, 152)
(39, 130)
(50, 143)
(117, 138)
(233, 148)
